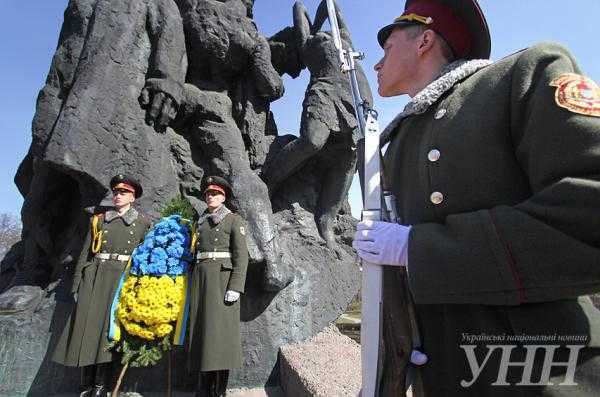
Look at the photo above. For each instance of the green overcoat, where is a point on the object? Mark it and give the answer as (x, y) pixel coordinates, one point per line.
(85, 336)
(214, 341)
(499, 176)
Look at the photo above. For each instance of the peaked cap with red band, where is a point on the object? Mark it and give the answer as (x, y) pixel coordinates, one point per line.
(127, 183)
(460, 22)
(215, 188)
(216, 183)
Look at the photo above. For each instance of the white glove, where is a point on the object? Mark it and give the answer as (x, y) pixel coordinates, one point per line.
(382, 243)
(232, 296)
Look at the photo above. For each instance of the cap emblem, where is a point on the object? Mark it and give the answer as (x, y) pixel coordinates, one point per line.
(412, 17)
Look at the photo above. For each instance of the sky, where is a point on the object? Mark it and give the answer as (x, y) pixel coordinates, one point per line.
(29, 32)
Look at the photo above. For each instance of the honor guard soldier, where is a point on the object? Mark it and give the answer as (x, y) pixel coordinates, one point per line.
(496, 172)
(112, 237)
(218, 279)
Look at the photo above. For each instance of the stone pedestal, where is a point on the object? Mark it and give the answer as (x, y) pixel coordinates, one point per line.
(327, 365)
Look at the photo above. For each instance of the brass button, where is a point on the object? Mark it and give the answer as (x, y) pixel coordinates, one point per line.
(128, 242)
(133, 224)
(439, 114)
(104, 241)
(216, 230)
(433, 155)
(437, 198)
(216, 239)
(130, 232)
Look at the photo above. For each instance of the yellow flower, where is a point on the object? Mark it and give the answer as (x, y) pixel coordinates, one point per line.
(148, 305)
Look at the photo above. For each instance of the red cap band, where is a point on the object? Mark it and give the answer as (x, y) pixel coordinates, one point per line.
(124, 186)
(443, 22)
(215, 187)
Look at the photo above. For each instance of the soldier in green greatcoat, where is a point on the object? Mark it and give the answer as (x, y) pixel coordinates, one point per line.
(496, 172)
(218, 279)
(112, 237)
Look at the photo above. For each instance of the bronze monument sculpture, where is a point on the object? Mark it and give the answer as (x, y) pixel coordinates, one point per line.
(173, 90)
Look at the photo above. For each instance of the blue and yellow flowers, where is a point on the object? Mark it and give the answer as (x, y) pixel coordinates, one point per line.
(151, 301)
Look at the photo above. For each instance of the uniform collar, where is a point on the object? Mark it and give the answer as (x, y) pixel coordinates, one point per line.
(448, 77)
(129, 217)
(215, 217)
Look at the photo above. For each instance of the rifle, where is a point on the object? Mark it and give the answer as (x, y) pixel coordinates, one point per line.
(371, 292)
(372, 275)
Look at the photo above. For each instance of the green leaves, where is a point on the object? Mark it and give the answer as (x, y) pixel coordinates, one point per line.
(178, 205)
(139, 353)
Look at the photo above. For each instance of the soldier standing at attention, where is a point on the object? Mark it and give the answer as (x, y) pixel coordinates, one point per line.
(496, 172)
(218, 278)
(113, 236)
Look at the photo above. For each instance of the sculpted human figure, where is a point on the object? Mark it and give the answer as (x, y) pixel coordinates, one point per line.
(328, 124)
(116, 77)
(223, 47)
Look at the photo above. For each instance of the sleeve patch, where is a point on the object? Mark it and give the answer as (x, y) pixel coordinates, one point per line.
(242, 231)
(577, 93)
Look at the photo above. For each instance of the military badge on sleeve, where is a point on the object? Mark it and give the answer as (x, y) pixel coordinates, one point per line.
(242, 230)
(577, 94)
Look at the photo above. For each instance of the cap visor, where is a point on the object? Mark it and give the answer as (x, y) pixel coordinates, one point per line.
(386, 31)
(215, 188)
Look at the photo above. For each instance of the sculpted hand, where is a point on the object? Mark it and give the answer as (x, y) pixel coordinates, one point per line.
(382, 243)
(232, 296)
(161, 109)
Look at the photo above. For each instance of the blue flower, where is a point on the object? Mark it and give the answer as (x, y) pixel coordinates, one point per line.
(162, 240)
(148, 244)
(158, 255)
(175, 251)
(163, 248)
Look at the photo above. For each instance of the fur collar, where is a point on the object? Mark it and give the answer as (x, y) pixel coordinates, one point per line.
(129, 217)
(215, 217)
(448, 77)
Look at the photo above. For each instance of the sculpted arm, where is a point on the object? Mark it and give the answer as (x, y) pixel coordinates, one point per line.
(266, 79)
(322, 14)
(163, 91)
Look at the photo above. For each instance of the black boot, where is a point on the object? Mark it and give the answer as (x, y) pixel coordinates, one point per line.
(86, 381)
(100, 391)
(102, 380)
(207, 384)
(221, 383)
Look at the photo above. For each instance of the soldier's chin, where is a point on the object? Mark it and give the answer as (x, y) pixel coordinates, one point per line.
(384, 92)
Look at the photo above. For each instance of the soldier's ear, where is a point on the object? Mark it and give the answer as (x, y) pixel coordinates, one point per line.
(426, 41)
